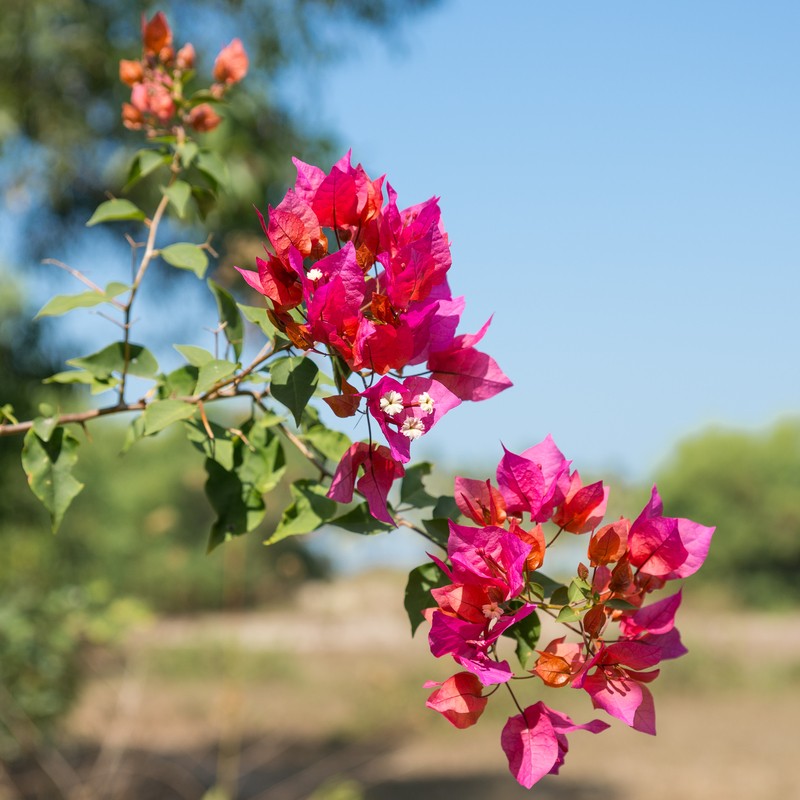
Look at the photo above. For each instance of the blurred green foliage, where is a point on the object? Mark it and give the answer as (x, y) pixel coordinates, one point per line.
(43, 636)
(136, 540)
(748, 485)
(140, 528)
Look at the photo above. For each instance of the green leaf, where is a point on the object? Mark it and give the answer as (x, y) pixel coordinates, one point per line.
(309, 510)
(103, 363)
(229, 316)
(213, 167)
(179, 194)
(145, 162)
(412, 489)
(258, 316)
(63, 303)
(159, 414)
(359, 520)
(259, 459)
(620, 604)
(526, 634)
(238, 504)
(548, 584)
(83, 376)
(48, 466)
(205, 201)
(575, 593)
(267, 460)
(438, 529)
(418, 591)
(567, 614)
(560, 597)
(113, 210)
(331, 444)
(196, 356)
(245, 471)
(219, 449)
(212, 372)
(178, 383)
(294, 379)
(133, 433)
(187, 152)
(446, 508)
(185, 255)
(43, 427)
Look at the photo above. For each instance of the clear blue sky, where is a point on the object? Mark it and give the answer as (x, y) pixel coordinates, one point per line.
(621, 184)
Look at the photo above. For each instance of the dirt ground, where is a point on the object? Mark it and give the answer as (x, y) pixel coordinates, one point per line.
(323, 698)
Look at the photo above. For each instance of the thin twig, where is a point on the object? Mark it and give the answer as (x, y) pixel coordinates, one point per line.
(80, 418)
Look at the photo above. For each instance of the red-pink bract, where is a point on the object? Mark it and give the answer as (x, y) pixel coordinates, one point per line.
(380, 471)
(617, 685)
(459, 699)
(535, 742)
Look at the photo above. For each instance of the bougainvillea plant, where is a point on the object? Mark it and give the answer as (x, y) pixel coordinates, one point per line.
(357, 310)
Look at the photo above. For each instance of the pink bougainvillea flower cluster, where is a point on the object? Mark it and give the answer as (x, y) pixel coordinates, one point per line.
(157, 79)
(493, 589)
(349, 274)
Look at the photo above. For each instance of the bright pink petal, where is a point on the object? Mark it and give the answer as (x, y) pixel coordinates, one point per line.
(625, 699)
(521, 483)
(658, 617)
(696, 539)
(468, 373)
(336, 200)
(633, 654)
(669, 644)
(530, 745)
(380, 471)
(480, 501)
(309, 179)
(251, 279)
(655, 547)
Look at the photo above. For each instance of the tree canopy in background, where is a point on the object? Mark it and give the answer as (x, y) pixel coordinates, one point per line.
(747, 483)
(60, 97)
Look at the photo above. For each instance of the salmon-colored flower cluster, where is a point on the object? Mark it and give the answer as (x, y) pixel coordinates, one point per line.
(494, 589)
(349, 275)
(157, 80)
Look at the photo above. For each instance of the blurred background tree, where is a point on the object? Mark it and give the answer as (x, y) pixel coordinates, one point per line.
(137, 535)
(60, 98)
(748, 485)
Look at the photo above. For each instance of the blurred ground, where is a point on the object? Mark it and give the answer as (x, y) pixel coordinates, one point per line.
(323, 698)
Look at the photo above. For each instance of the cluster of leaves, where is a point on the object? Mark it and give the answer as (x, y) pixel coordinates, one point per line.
(493, 587)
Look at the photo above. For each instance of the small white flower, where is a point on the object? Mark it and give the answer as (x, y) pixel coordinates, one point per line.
(314, 274)
(425, 402)
(492, 611)
(392, 403)
(412, 428)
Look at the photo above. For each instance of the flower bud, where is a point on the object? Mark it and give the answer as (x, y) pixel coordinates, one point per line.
(156, 34)
(231, 64)
(166, 55)
(185, 57)
(132, 118)
(203, 118)
(130, 72)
